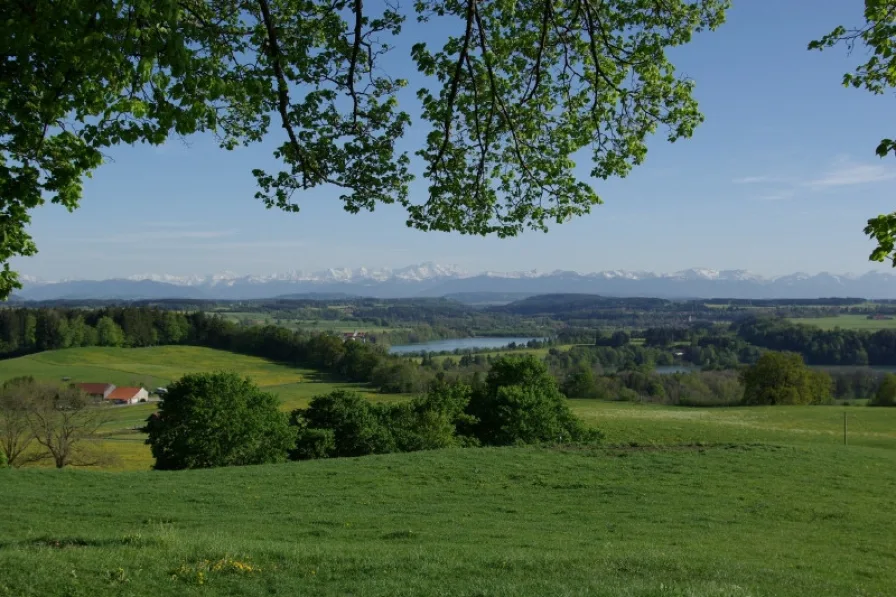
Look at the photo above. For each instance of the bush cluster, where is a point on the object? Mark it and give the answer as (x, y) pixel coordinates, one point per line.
(221, 419)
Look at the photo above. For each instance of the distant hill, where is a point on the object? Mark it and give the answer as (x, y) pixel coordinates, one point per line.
(481, 299)
(489, 288)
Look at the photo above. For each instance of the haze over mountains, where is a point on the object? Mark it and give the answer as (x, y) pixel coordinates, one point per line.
(432, 280)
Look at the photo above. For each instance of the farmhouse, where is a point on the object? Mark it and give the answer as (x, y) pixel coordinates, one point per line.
(356, 336)
(127, 395)
(96, 390)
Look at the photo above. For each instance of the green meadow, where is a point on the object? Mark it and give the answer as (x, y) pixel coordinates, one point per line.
(685, 502)
(158, 366)
(847, 322)
(724, 520)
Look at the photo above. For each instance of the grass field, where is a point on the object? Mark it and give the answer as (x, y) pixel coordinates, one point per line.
(158, 366)
(653, 425)
(847, 322)
(685, 502)
(706, 522)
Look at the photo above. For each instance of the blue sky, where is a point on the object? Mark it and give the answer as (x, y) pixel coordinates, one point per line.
(780, 178)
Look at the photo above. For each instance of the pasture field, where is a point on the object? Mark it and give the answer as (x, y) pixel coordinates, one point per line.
(158, 366)
(321, 325)
(686, 502)
(712, 521)
(847, 322)
(655, 425)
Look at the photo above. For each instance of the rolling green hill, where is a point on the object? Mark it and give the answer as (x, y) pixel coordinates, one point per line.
(158, 366)
(725, 502)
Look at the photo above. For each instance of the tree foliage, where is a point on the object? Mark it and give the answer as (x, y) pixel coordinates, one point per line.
(509, 97)
(217, 419)
(886, 392)
(877, 75)
(520, 403)
(43, 421)
(64, 421)
(16, 399)
(783, 378)
(338, 424)
(346, 424)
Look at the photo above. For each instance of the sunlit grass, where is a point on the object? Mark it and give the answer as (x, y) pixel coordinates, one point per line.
(624, 422)
(847, 322)
(753, 521)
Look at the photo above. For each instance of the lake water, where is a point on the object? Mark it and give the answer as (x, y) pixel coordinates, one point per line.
(458, 344)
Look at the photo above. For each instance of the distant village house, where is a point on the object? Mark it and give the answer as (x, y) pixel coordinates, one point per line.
(113, 394)
(127, 395)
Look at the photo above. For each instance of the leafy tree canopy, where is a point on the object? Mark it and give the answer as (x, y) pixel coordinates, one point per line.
(520, 403)
(217, 419)
(508, 97)
(877, 75)
(886, 392)
(783, 378)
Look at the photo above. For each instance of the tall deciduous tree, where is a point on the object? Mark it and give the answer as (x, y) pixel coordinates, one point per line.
(16, 399)
(877, 36)
(886, 392)
(520, 403)
(64, 421)
(509, 96)
(108, 332)
(217, 419)
(783, 378)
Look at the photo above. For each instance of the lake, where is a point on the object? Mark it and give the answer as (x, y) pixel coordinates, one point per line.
(459, 344)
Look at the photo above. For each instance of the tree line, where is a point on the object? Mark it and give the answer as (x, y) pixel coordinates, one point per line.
(821, 347)
(222, 419)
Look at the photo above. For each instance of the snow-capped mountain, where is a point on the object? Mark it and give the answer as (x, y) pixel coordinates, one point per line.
(413, 273)
(431, 279)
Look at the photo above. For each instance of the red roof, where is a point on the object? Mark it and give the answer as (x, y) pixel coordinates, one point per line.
(94, 388)
(123, 393)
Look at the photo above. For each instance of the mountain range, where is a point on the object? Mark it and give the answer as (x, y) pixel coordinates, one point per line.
(433, 280)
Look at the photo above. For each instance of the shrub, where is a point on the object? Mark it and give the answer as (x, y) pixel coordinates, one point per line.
(783, 378)
(313, 443)
(520, 403)
(435, 420)
(217, 419)
(886, 392)
(345, 424)
(356, 426)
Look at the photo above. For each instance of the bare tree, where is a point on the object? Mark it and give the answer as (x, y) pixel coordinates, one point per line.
(63, 421)
(16, 399)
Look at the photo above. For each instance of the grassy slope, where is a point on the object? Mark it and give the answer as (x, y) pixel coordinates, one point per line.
(711, 522)
(789, 512)
(158, 366)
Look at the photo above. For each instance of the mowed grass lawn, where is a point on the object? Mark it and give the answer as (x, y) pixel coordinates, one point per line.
(158, 366)
(707, 522)
(847, 322)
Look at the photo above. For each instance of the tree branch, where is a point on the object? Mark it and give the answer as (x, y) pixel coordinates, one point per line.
(274, 53)
(455, 80)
